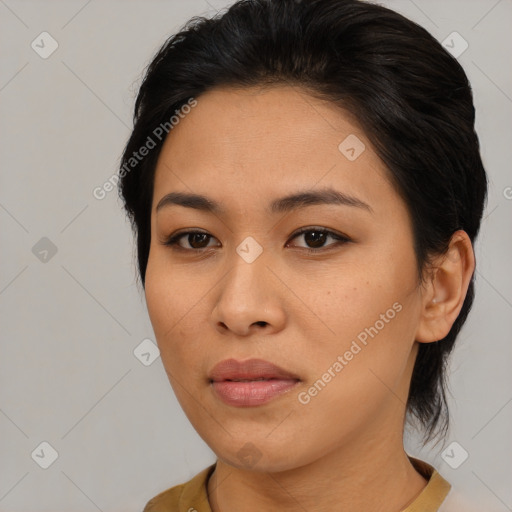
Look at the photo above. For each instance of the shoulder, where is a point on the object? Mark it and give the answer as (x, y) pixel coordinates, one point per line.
(456, 501)
(167, 500)
(190, 496)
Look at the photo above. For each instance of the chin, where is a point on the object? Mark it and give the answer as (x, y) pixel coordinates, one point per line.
(260, 455)
(259, 463)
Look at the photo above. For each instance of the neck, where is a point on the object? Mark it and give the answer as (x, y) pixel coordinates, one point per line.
(374, 475)
(367, 472)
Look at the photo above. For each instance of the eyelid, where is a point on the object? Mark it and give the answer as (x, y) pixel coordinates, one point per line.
(340, 237)
(173, 240)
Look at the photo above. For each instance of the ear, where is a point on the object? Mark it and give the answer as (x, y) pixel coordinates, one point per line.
(445, 290)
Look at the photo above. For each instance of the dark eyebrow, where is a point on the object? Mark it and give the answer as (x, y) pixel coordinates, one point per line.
(281, 205)
(321, 196)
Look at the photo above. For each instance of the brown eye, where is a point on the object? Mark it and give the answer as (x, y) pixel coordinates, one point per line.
(315, 238)
(196, 240)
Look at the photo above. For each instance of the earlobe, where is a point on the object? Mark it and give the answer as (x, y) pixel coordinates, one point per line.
(445, 291)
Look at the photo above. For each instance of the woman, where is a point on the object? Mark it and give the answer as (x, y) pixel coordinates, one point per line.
(305, 185)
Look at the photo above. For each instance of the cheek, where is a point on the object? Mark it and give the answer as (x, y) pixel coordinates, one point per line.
(170, 297)
(171, 307)
(371, 314)
(158, 300)
(370, 371)
(352, 301)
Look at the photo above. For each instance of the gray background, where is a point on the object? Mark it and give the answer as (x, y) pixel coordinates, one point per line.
(70, 321)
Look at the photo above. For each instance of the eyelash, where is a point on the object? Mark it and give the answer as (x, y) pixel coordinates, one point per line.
(173, 240)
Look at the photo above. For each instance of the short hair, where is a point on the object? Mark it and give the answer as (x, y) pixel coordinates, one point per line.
(409, 95)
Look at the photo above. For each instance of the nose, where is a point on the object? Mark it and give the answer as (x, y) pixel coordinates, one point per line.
(249, 299)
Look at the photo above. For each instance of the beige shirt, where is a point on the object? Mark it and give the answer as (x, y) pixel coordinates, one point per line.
(192, 496)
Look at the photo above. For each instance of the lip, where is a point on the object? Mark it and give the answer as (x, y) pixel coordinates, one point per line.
(225, 380)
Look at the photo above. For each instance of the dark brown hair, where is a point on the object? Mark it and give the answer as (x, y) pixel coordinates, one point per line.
(410, 96)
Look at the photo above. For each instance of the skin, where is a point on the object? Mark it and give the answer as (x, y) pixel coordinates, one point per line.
(343, 449)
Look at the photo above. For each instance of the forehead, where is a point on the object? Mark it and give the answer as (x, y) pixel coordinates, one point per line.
(254, 142)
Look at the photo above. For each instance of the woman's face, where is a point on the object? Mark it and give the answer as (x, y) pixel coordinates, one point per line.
(339, 316)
